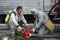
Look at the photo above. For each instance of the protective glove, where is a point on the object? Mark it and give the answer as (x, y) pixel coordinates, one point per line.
(33, 29)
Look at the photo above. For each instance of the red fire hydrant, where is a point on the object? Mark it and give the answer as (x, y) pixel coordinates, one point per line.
(26, 32)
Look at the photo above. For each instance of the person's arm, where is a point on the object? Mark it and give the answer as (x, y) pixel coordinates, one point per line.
(19, 28)
(13, 19)
(24, 20)
(37, 25)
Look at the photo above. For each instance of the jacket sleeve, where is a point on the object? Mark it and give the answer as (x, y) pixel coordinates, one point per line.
(37, 25)
(24, 20)
(13, 19)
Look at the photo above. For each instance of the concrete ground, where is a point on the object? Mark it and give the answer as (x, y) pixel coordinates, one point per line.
(22, 38)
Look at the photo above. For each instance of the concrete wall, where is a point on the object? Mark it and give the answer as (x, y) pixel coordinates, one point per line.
(24, 3)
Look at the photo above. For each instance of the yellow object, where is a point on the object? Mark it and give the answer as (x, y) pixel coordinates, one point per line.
(25, 12)
(49, 25)
(8, 15)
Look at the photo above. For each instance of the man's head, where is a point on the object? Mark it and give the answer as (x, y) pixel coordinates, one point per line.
(19, 9)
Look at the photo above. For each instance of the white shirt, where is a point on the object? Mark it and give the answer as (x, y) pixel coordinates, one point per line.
(14, 18)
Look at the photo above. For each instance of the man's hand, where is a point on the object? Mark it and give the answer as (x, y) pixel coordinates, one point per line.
(19, 28)
(27, 24)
